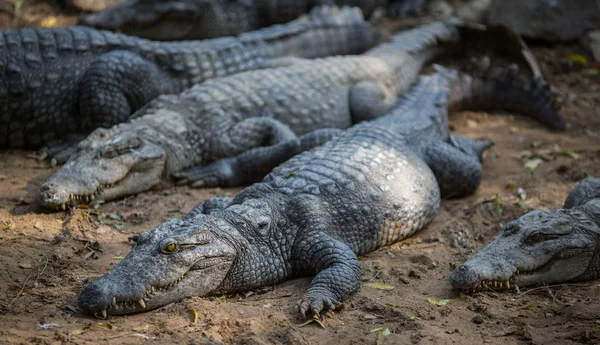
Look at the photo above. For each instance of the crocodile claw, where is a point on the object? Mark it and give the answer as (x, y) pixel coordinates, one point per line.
(312, 306)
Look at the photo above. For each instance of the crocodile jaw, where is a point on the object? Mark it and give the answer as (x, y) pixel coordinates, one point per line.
(87, 176)
(513, 260)
(149, 277)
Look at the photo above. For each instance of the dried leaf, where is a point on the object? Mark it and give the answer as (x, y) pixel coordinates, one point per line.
(532, 164)
(462, 296)
(195, 315)
(114, 220)
(8, 227)
(381, 334)
(570, 154)
(141, 329)
(25, 265)
(442, 302)
(380, 286)
(76, 331)
(510, 186)
(415, 318)
(118, 258)
(521, 193)
(524, 205)
(313, 320)
(532, 306)
(105, 325)
(49, 22)
(577, 58)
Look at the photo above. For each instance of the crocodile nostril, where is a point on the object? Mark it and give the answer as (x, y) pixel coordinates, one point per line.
(463, 268)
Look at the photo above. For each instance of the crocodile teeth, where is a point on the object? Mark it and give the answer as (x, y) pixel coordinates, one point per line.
(104, 313)
(63, 206)
(141, 302)
(507, 284)
(152, 289)
(114, 301)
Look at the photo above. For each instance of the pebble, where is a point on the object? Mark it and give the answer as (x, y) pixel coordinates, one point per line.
(477, 318)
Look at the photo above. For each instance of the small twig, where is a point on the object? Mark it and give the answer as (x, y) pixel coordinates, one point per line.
(39, 272)
(550, 286)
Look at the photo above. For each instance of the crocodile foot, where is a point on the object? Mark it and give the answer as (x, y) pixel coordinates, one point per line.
(317, 301)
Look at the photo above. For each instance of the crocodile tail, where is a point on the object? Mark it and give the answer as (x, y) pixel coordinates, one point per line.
(327, 31)
(502, 41)
(504, 90)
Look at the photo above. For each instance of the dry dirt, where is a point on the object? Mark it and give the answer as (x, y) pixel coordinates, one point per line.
(46, 257)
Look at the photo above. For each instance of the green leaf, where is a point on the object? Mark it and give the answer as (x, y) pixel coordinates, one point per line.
(380, 286)
(570, 154)
(373, 330)
(497, 208)
(532, 164)
(415, 318)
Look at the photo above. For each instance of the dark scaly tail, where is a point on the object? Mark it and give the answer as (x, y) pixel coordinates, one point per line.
(492, 90)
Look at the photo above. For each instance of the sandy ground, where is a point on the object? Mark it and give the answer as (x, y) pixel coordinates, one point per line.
(47, 257)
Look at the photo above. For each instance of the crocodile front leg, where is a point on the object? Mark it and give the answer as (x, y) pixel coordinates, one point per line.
(337, 268)
(252, 166)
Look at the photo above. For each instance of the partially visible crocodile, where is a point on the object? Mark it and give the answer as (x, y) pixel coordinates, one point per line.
(367, 187)
(228, 116)
(198, 19)
(69, 81)
(541, 247)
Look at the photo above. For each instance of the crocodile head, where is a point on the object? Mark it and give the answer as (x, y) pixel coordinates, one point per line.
(125, 164)
(126, 159)
(178, 259)
(154, 19)
(541, 247)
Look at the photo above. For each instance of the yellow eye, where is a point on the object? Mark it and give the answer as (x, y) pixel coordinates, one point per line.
(535, 237)
(169, 248)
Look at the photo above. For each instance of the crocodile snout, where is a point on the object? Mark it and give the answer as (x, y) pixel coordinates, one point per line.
(51, 195)
(464, 277)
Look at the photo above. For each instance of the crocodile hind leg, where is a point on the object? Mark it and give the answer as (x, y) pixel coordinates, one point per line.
(456, 164)
(253, 165)
(337, 268)
(109, 91)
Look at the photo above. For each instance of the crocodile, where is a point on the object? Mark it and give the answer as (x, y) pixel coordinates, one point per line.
(366, 187)
(62, 83)
(225, 117)
(199, 19)
(541, 247)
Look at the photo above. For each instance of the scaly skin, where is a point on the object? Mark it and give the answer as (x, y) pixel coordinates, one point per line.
(70, 81)
(227, 116)
(174, 135)
(367, 187)
(541, 247)
(200, 19)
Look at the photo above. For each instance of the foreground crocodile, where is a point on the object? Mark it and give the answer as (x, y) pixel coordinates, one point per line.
(228, 116)
(69, 81)
(198, 19)
(367, 187)
(541, 247)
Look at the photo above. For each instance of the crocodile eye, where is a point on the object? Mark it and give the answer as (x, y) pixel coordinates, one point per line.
(535, 237)
(169, 248)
